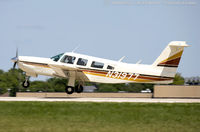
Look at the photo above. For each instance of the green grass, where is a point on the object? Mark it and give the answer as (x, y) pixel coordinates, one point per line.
(98, 117)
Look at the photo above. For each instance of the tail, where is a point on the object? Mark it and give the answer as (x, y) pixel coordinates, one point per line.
(169, 59)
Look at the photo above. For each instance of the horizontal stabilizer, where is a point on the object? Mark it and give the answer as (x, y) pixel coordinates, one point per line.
(178, 44)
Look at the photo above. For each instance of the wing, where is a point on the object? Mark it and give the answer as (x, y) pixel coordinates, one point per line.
(62, 70)
(68, 71)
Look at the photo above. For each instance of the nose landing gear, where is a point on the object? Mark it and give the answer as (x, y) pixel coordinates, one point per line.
(26, 83)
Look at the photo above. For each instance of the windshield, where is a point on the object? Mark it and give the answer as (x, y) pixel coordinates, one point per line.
(57, 57)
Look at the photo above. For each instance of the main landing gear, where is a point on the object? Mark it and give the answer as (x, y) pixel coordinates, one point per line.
(26, 83)
(71, 90)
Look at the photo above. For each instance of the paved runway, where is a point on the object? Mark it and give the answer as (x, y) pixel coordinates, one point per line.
(71, 99)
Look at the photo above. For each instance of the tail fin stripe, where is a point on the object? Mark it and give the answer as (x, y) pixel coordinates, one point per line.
(178, 55)
(171, 63)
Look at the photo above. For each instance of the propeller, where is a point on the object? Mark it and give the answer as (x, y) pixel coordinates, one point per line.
(15, 59)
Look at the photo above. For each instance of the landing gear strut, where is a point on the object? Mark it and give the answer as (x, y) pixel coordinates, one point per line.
(26, 83)
(70, 86)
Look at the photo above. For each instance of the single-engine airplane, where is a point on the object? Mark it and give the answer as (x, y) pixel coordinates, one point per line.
(84, 68)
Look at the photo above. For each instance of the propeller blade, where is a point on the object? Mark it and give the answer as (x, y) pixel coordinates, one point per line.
(15, 59)
(17, 52)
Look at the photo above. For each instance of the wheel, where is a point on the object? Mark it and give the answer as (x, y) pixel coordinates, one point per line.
(69, 90)
(26, 84)
(79, 88)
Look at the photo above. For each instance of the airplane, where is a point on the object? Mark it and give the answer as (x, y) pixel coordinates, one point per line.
(84, 68)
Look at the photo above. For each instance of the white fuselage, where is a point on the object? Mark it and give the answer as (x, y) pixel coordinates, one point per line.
(111, 72)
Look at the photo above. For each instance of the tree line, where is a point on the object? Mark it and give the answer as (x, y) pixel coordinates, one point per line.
(11, 81)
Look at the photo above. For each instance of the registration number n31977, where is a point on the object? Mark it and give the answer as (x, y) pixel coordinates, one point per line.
(122, 75)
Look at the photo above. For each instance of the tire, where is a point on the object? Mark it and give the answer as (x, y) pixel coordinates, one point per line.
(26, 84)
(79, 88)
(69, 90)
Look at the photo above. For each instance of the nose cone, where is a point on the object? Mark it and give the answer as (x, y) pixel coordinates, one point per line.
(14, 59)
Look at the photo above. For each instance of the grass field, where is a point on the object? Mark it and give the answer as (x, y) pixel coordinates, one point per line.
(98, 117)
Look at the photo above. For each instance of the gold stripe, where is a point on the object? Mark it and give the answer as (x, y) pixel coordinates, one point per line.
(173, 57)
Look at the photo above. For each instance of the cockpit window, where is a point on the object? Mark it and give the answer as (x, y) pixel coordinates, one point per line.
(68, 59)
(96, 64)
(82, 62)
(110, 67)
(57, 57)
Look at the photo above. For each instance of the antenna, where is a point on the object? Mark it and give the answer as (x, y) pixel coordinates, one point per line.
(121, 59)
(75, 48)
(139, 62)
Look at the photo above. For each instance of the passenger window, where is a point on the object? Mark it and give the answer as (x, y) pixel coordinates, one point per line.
(97, 64)
(82, 62)
(68, 59)
(110, 67)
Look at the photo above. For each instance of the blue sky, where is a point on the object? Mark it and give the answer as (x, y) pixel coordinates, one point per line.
(103, 28)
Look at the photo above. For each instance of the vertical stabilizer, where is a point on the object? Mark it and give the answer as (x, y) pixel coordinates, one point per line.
(170, 57)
